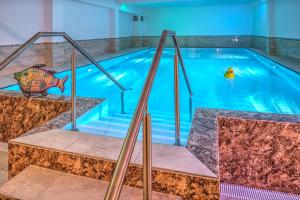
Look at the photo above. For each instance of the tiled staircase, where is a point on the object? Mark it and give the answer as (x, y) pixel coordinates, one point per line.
(45, 184)
(63, 165)
(117, 124)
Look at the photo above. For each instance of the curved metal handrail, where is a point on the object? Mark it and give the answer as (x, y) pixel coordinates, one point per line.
(29, 42)
(182, 64)
(115, 186)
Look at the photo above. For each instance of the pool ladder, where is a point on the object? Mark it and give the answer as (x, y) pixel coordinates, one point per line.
(141, 114)
(76, 46)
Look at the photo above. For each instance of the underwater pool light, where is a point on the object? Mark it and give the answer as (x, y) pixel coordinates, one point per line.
(123, 7)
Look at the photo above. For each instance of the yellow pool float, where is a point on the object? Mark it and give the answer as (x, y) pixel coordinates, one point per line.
(229, 73)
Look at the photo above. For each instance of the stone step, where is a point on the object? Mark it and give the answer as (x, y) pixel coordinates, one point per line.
(159, 137)
(45, 184)
(175, 170)
(125, 125)
(155, 118)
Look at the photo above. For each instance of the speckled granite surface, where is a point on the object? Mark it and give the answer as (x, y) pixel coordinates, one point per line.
(82, 106)
(21, 116)
(259, 153)
(187, 186)
(203, 135)
(203, 144)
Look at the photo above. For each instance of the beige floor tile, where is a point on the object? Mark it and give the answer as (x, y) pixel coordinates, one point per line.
(104, 147)
(74, 187)
(54, 139)
(100, 146)
(3, 160)
(4, 146)
(177, 159)
(68, 186)
(30, 183)
(3, 177)
(44, 184)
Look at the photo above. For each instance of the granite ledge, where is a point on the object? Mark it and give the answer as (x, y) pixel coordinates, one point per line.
(83, 105)
(187, 186)
(108, 148)
(203, 137)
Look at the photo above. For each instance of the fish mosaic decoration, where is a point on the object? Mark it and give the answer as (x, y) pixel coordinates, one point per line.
(35, 80)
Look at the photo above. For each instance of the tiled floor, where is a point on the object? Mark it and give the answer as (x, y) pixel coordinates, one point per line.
(109, 148)
(44, 184)
(3, 163)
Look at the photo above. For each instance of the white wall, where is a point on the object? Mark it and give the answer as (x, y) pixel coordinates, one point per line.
(285, 19)
(83, 20)
(200, 20)
(20, 19)
(90, 19)
(277, 18)
(126, 24)
(260, 19)
(128, 27)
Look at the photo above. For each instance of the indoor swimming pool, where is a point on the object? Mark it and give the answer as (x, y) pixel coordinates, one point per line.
(260, 85)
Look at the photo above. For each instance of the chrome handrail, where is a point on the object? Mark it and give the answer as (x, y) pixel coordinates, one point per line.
(182, 64)
(115, 185)
(29, 42)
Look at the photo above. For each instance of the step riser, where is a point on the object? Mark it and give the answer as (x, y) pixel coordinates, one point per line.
(154, 119)
(155, 132)
(184, 185)
(157, 137)
(125, 125)
(124, 128)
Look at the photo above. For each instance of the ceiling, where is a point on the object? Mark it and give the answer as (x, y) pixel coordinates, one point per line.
(164, 3)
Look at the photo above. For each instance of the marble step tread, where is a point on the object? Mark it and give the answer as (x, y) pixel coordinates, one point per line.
(167, 157)
(125, 125)
(45, 184)
(157, 137)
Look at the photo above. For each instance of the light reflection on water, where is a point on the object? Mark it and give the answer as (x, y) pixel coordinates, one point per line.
(260, 84)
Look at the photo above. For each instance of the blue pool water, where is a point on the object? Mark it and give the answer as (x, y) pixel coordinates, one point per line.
(261, 85)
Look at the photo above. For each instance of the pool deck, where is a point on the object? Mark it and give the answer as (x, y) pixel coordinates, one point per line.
(7, 78)
(291, 63)
(3, 163)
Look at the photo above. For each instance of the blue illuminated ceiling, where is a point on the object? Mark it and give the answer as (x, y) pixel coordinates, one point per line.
(162, 3)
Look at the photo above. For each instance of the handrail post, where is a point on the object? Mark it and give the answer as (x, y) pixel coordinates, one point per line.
(191, 108)
(176, 100)
(73, 97)
(147, 157)
(115, 185)
(177, 49)
(122, 102)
